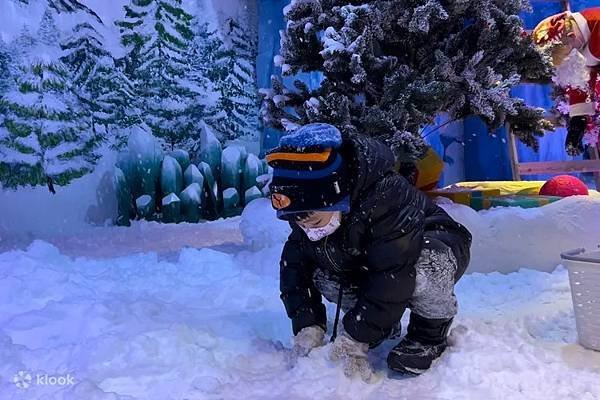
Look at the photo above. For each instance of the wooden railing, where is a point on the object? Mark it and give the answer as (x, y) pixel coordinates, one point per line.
(552, 167)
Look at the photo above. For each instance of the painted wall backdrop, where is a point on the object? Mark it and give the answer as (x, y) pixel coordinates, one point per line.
(82, 74)
(45, 26)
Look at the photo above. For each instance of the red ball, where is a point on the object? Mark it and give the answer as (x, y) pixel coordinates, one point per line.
(564, 186)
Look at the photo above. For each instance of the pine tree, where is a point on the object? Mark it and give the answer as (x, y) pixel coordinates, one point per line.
(69, 6)
(203, 50)
(100, 85)
(20, 48)
(5, 62)
(235, 81)
(113, 104)
(5, 78)
(81, 52)
(45, 137)
(390, 67)
(157, 35)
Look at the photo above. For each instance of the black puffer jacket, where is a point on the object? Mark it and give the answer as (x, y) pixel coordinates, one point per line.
(375, 248)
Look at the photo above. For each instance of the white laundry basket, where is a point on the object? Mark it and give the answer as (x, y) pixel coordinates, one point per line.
(584, 276)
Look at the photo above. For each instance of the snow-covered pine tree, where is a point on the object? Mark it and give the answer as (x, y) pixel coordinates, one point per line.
(5, 77)
(68, 6)
(390, 67)
(114, 106)
(235, 81)
(203, 50)
(5, 62)
(19, 48)
(157, 35)
(81, 52)
(100, 85)
(45, 136)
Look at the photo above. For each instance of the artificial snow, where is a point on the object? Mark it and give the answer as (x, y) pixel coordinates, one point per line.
(316, 134)
(143, 201)
(207, 322)
(170, 198)
(260, 227)
(508, 238)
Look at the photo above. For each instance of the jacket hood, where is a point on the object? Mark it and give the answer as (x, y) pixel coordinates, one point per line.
(368, 160)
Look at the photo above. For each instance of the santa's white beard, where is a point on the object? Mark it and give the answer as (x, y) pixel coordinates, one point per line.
(572, 72)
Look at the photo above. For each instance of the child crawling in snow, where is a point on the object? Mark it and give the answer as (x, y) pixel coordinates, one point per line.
(367, 240)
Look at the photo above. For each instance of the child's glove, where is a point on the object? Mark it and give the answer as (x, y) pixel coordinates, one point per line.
(307, 339)
(354, 356)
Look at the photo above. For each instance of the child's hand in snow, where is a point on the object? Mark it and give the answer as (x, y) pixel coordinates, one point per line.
(354, 356)
(307, 339)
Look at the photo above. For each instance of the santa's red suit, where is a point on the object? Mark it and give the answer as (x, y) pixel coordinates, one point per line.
(582, 97)
(582, 102)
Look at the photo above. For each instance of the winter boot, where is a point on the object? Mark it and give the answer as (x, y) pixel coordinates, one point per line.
(424, 342)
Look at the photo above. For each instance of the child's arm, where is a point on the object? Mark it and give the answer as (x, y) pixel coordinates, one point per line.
(396, 238)
(300, 297)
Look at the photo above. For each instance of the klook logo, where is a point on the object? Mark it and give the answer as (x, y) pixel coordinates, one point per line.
(23, 380)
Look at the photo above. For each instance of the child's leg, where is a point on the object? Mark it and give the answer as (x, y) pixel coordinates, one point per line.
(329, 288)
(436, 268)
(433, 306)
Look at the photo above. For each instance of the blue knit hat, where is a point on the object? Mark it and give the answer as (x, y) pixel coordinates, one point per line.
(309, 173)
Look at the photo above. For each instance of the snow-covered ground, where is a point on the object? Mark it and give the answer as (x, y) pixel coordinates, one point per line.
(207, 323)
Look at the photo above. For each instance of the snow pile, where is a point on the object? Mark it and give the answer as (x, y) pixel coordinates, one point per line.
(508, 238)
(210, 325)
(260, 227)
(166, 240)
(35, 211)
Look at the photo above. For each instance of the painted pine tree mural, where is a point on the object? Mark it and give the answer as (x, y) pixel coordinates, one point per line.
(235, 82)
(45, 135)
(5, 62)
(99, 83)
(157, 35)
(203, 50)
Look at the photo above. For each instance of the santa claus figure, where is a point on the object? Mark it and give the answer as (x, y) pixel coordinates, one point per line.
(561, 34)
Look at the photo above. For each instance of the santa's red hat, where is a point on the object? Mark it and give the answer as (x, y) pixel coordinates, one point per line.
(588, 22)
(552, 30)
